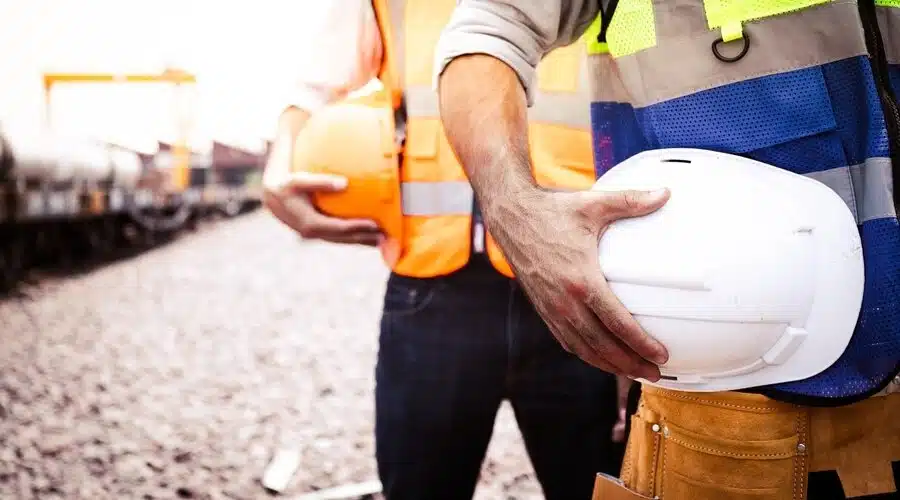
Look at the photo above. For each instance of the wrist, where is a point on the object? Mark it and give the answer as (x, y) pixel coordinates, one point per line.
(514, 194)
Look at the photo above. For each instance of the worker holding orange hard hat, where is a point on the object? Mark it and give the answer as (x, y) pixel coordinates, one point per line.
(458, 335)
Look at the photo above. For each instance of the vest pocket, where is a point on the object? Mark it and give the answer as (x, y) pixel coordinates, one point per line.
(642, 456)
(745, 116)
(705, 466)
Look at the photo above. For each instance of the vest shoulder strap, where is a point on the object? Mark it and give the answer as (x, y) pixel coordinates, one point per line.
(388, 72)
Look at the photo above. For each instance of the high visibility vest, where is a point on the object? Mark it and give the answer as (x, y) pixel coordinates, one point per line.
(786, 82)
(437, 199)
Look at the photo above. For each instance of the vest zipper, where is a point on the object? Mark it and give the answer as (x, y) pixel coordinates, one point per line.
(875, 45)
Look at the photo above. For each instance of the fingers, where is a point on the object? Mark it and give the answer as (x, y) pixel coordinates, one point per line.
(581, 333)
(615, 317)
(366, 239)
(353, 231)
(309, 182)
(597, 347)
(575, 344)
(608, 206)
(604, 347)
(298, 213)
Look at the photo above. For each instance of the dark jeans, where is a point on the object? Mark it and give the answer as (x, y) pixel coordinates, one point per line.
(451, 350)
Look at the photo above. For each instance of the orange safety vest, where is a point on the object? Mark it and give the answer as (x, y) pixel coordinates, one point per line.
(437, 199)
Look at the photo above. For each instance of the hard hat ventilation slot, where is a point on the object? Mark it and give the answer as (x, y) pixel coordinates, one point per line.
(675, 160)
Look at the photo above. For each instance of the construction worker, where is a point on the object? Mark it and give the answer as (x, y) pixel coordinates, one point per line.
(801, 85)
(458, 336)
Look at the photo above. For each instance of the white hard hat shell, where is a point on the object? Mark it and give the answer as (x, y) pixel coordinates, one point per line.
(750, 275)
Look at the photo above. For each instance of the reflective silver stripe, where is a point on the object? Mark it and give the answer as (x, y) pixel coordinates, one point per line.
(873, 187)
(436, 198)
(839, 180)
(682, 62)
(889, 24)
(866, 188)
(571, 110)
(421, 102)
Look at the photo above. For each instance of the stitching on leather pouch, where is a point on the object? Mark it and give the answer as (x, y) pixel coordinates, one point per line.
(626, 469)
(712, 451)
(716, 403)
(662, 476)
(657, 441)
(800, 458)
(797, 460)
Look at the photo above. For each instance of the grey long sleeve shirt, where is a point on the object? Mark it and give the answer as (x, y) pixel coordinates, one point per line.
(517, 32)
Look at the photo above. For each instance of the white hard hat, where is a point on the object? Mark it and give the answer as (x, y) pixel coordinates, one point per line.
(750, 275)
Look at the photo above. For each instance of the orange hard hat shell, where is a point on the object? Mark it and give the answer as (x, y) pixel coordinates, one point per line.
(356, 141)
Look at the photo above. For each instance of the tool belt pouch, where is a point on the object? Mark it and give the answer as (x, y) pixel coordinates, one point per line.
(689, 448)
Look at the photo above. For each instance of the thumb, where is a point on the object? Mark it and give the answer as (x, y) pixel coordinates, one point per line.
(612, 205)
(308, 182)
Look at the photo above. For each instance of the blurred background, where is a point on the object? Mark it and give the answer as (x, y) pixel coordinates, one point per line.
(161, 336)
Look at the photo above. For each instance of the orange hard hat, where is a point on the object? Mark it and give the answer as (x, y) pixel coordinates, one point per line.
(356, 141)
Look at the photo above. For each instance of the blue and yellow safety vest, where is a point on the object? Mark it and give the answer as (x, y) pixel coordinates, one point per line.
(804, 85)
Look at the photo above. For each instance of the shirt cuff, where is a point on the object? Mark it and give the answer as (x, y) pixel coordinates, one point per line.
(455, 44)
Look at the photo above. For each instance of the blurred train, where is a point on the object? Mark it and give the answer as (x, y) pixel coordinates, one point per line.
(66, 200)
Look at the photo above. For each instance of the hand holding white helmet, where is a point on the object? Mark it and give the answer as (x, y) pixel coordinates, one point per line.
(750, 275)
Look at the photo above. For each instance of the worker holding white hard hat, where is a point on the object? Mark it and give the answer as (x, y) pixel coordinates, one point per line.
(755, 262)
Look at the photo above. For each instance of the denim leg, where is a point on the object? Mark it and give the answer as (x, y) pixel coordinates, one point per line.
(439, 382)
(566, 408)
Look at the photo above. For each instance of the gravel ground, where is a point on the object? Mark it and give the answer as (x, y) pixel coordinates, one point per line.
(178, 373)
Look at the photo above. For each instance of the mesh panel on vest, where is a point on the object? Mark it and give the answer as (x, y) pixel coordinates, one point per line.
(616, 134)
(854, 98)
(894, 72)
(633, 27)
(744, 116)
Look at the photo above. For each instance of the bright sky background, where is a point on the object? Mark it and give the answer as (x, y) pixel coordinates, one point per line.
(228, 44)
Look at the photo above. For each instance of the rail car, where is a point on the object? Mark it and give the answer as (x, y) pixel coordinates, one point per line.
(65, 200)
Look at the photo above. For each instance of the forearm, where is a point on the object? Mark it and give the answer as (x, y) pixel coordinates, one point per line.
(484, 112)
(290, 123)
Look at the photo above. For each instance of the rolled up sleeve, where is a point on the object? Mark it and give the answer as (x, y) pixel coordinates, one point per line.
(519, 33)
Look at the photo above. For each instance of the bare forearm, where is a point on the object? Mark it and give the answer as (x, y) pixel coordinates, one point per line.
(290, 123)
(484, 113)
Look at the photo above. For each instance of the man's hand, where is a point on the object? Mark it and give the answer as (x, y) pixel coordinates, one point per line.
(290, 202)
(287, 194)
(550, 240)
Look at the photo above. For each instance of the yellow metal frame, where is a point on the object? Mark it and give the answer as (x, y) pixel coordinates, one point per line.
(177, 77)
